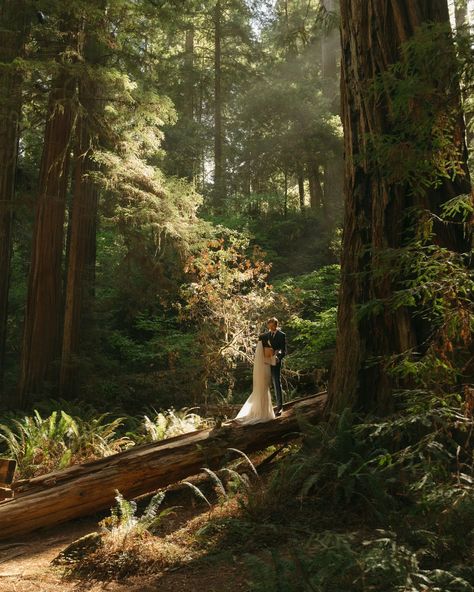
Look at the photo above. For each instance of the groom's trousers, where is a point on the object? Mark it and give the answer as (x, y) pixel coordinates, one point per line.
(276, 379)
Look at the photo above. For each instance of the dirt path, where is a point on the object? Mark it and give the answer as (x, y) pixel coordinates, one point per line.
(25, 564)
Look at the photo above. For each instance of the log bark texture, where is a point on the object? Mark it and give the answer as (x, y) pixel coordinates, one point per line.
(84, 489)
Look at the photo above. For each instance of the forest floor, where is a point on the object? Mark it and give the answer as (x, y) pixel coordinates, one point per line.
(25, 566)
(26, 562)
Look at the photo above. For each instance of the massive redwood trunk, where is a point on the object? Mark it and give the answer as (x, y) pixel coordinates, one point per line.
(376, 204)
(12, 36)
(41, 338)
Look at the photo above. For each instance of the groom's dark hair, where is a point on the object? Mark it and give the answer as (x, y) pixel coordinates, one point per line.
(273, 320)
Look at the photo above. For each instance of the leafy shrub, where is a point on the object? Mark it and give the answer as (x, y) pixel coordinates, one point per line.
(337, 562)
(312, 298)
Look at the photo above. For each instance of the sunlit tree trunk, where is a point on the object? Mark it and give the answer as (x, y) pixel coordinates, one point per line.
(81, 258)
(12, 34)
(460, 12)
(219, 165)
(333, 166)
(301, 189)
(189, 98)
(315, 188)
(376, 207)
(41, 337)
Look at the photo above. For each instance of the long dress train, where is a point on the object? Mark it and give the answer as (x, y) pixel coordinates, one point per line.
(258, 407)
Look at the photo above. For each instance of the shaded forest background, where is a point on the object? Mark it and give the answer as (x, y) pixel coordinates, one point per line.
(170, 177)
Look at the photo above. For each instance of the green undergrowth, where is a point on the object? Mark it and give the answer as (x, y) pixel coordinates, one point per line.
(379, 505)
(44, 442)
(375, 505)
(385, 505)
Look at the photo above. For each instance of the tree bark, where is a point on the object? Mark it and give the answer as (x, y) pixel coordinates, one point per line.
(190, 76)
(84, 489)
(376, 207)
(81, 259)
(41, 336)
(12, 35)
(219, 166)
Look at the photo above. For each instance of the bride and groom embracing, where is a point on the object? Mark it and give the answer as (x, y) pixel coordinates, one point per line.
(270, 351)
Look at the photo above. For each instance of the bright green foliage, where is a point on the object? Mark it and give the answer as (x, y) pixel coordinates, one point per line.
(167, 424)
(124, 521)
(312, 298)
(43, 444)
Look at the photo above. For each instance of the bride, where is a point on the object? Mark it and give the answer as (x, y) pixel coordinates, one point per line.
(258, 407)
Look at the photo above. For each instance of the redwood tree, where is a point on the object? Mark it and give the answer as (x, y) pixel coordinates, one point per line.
(42, 325)
(81, 254)
(12, 37)
(379, 193)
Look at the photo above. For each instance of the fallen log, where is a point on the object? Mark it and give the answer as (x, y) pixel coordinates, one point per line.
(88, 488)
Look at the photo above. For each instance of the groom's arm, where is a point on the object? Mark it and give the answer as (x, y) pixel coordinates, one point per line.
(281, 353)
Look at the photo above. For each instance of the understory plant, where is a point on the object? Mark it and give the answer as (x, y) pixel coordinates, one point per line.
(42, 444)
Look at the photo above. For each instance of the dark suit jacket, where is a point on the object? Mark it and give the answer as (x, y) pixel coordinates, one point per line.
(278, 342)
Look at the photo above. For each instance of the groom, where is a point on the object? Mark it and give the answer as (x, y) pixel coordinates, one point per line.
(276, 339)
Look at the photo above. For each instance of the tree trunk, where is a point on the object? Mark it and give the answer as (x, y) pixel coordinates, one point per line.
(41, 337)
(12, 34)
(330, 46)
(300, 175)
(333, 165)
(315, 189)
(219, 167)
(81, 259)
(190, 168)
(189, 72)
(84, 489)
(376, 206)
(460, 13)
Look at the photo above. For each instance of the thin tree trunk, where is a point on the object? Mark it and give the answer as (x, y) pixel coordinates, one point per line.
(315, 189)
(41, 337)
(189, 97)
(12, 33)
(460, 12)
(330, 46)
(376, 206)
(219, 167)
(333, 166)
(190, 77)
(301, 191)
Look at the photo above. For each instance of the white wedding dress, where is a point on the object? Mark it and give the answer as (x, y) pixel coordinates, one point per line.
(258, 407)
